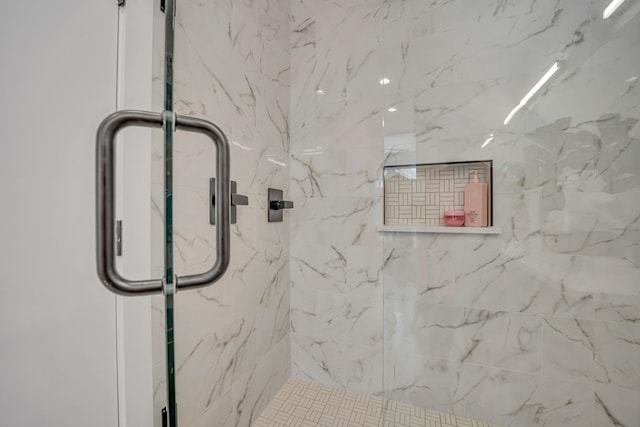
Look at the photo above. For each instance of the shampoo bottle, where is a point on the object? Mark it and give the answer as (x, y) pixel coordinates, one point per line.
(476, 195)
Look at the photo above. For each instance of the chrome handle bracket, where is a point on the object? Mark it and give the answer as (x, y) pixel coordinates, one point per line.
(236, 200)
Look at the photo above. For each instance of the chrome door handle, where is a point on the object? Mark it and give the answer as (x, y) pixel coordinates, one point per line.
(236, 200)
(105, 202)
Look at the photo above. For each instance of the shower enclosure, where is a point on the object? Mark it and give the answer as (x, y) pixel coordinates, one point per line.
(533, 322)
(536, 325)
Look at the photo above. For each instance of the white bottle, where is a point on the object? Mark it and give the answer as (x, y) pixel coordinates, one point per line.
(476, 196)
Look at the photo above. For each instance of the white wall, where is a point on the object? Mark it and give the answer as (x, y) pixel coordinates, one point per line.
(57, 322)
(135, 70)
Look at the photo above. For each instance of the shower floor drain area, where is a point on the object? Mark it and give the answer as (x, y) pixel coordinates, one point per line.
(302, 403)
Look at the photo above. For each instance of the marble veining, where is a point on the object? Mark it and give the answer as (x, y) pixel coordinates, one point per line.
(536, 326)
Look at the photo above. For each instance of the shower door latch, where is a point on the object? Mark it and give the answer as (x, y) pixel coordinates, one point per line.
(119, 237)
(236, 200)
(277, 205)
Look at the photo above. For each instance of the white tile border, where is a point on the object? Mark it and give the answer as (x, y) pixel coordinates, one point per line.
(438, 229)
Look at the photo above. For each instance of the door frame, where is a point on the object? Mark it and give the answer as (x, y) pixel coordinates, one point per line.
(133, 314)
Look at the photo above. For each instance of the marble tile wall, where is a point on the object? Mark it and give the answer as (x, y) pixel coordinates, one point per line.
(537, 326)
(336, 184)
(232, 339)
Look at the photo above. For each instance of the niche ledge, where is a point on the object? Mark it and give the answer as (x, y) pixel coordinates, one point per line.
(438, 229)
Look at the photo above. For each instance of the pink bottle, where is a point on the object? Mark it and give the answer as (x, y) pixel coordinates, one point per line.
(476, 196)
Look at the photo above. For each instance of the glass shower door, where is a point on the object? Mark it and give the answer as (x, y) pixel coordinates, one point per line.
(107, 231)
(528, 322)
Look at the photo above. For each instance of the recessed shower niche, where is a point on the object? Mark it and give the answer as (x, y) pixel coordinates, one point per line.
(421, 196)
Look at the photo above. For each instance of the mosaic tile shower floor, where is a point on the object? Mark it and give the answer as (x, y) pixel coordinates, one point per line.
(302, 403)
